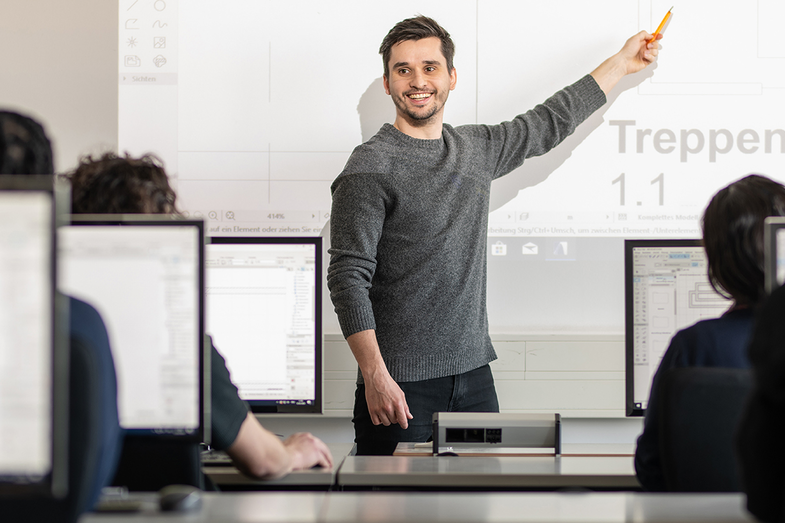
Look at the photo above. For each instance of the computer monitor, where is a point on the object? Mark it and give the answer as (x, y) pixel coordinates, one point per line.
(33, 342)
(264, 313)
(145, 276)
(666, 289)
(774, 252)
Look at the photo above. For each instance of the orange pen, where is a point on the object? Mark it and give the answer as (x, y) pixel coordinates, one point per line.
(662, 24)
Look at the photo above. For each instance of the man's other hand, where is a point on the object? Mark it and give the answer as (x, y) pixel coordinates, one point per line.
(386, 401)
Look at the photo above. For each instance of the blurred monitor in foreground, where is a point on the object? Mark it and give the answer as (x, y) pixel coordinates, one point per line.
(144, 275)
(33, 347)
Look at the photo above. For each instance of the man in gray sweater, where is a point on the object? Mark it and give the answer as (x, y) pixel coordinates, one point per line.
(409, 221)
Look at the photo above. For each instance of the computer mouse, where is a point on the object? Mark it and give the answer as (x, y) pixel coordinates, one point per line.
(179, 498)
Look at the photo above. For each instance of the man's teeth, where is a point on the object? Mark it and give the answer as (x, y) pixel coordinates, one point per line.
(419, 96)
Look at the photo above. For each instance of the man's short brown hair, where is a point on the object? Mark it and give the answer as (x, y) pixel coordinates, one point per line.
(416, 28)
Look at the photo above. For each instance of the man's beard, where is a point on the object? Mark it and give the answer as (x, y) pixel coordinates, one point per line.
(418, 119)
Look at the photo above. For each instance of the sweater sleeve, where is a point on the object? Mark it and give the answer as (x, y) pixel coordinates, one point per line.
(542, 128)
(228, 410)
(356, 221)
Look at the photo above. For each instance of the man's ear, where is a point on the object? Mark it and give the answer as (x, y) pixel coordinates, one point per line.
(386, 84)
(453, 78)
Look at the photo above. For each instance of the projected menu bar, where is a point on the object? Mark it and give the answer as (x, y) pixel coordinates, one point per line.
(673, 222)
(147, 43)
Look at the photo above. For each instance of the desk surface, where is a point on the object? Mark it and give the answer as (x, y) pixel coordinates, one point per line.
(613, 472)
(387, 507)
(407, 448)
(318, 478)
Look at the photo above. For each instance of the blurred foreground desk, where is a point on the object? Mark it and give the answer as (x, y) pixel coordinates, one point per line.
(389, 507)
(227, 507)
(446, 473)
(605, 507)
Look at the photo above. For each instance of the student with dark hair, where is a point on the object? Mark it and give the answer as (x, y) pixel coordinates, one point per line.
(126, 185)
(95, 436)
(24, 146)
(733, 239)
(117, 183)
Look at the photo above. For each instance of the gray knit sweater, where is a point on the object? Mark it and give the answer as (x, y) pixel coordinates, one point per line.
(408, 233)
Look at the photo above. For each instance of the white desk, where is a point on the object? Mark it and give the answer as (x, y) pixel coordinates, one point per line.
(389, 507)
(407, 448)
(527, 472)
(228, 507)
(604, 507)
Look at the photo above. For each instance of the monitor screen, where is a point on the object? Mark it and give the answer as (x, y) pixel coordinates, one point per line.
(264, 314)
(667, 289)
(145, 277)
(32, 369)
(774, 252)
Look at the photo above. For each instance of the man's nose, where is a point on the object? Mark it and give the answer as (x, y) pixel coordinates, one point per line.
(418, 80)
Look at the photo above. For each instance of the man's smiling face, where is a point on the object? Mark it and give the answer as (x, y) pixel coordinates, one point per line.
(419, 82)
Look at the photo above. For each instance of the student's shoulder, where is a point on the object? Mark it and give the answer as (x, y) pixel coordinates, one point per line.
(718, 341)
(85, 320)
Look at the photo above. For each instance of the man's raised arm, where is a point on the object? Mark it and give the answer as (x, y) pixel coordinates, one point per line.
(638, 53)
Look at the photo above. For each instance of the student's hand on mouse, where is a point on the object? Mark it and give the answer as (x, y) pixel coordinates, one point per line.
(386, 402)
(308, 451)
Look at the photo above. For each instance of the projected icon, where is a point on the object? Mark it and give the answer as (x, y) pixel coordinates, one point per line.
(159, 42)
(230, 215)
(159, 5)
(561, 249)
(530, 248)
(132, 42)
(499, 249)
(131, 23)
(159, 61)
(131, 60)
(212, 215)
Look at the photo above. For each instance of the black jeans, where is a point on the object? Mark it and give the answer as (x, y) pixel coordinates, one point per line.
(471, 391)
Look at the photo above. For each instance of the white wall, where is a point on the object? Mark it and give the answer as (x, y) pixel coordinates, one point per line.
(59, 65)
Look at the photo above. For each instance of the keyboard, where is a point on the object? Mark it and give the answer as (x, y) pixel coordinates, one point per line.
(216, 458)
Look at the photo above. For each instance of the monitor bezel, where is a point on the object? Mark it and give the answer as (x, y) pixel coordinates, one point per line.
(631, 408)
(55, 482)
(771, 225)
(267, 406)
(202, 434)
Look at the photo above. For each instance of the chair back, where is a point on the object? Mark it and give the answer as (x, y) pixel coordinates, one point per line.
(701, 408)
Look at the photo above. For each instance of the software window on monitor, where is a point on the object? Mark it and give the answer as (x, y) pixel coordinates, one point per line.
(667, 290)
(262, 312)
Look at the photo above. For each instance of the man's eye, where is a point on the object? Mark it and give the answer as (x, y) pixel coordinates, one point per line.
(403, 71)
(430, 69)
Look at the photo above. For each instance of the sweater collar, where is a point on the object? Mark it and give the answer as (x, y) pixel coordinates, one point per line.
(406, 140)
